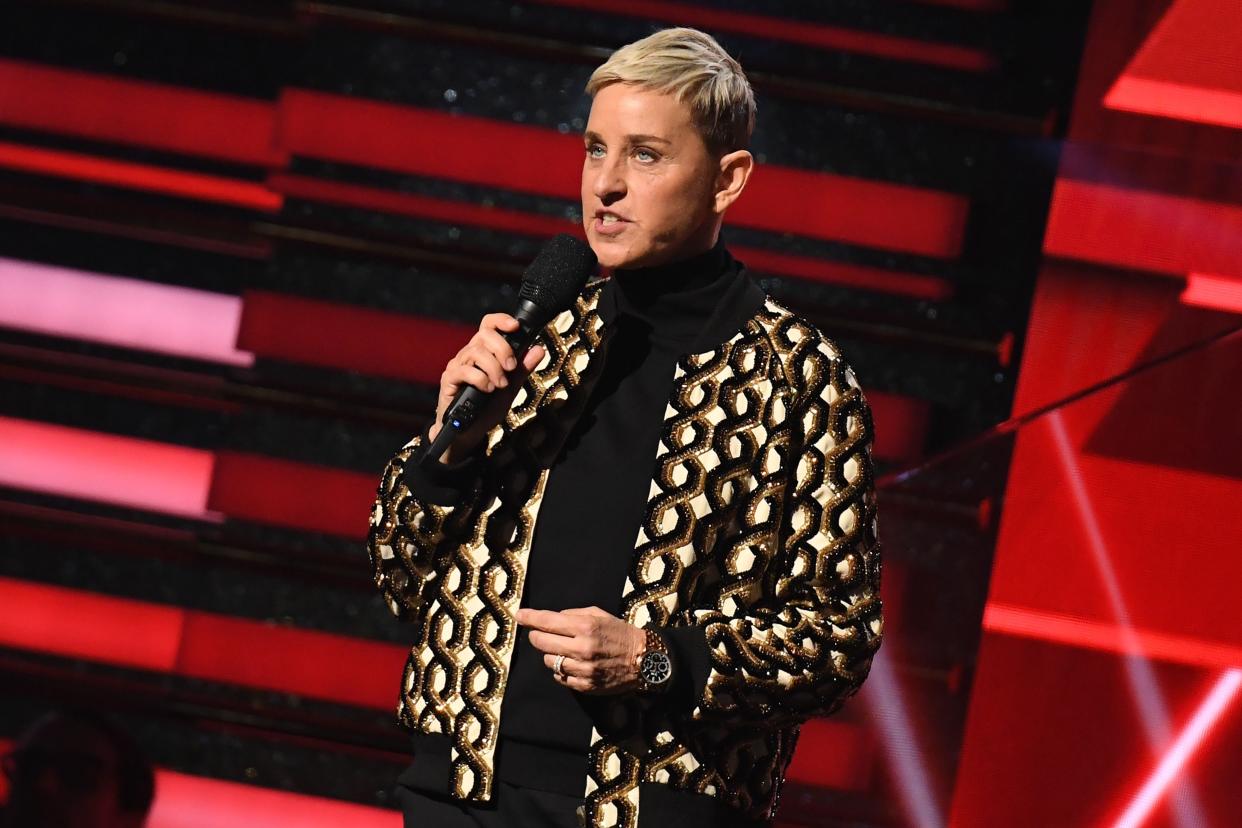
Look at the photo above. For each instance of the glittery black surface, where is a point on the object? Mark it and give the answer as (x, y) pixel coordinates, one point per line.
(991, 137)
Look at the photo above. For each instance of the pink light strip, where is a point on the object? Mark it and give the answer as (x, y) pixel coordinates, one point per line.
(185, 801)
(1208, 291)
(140, 474)
(115, 310)
(1188, 741)
(1152, 709)
(907, 763)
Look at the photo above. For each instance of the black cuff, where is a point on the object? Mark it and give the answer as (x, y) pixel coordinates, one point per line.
(692, 663)
(443, 484)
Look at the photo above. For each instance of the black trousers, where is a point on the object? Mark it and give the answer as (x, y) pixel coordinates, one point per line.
(511, 807)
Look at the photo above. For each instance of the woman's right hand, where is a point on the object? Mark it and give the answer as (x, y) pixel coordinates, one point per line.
(488, 363)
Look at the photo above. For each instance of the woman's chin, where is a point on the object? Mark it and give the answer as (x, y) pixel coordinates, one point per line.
(613, 256)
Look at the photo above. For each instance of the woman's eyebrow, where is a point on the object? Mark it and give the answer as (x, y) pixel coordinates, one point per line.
(631, 139)
(647, 139)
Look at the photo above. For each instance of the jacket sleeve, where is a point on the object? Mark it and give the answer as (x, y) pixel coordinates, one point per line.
(805, 644)
(419, 517)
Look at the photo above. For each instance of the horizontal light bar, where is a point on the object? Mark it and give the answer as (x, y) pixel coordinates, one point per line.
(1218, 292)
(139, 113)
(90, 465)
(1143, 229)
(1096, 635)
(115, 310)
(782, 199)
(1146, 96)
(129, 175)
(75, 623)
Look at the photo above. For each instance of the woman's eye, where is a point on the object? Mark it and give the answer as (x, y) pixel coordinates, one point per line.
(595, 151)
(645, 155)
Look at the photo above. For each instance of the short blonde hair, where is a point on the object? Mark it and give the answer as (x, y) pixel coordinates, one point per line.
(693, 67)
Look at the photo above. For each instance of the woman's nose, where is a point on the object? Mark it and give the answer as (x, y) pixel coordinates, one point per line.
(609, 181)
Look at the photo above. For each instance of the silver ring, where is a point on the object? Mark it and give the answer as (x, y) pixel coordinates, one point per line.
(557, 666)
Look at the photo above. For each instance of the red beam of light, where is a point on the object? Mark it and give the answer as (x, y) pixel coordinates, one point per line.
(802, 32)
(160, 638)
(423, 142)
(72, 462)
(917, 285)
(1188, 66)
(166, 639)
(1060, 628)
(464, 148)
(186, 801)
(416, 349)
(1201, 724)
(176, 480)
(321, 665)
(112, 630)
(1143, 229)
(419, 206)
(1208, 291)
(129, 175)
(514, 221)
(1176, 100)
(139, 113)
(380, 343)
(296, 495)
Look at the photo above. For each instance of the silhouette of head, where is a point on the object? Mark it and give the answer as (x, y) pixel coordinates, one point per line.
(76, 769)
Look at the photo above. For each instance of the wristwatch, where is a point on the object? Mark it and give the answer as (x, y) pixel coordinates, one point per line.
(655, 665)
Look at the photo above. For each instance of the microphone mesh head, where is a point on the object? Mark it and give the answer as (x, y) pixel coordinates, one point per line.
(558, 274)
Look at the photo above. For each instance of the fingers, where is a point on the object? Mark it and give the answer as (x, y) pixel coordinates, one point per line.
(548, 621)
(570, 666)
(554, 644)
(497, 346)
(498, 321)
(575, 674)
(480, 361)
(532, 358)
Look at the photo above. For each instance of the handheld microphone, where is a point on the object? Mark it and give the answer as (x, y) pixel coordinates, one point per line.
(553, 280)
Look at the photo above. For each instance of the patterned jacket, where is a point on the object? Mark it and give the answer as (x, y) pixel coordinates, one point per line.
(760, 526)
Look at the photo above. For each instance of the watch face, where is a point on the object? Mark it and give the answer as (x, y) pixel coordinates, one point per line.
(656, 668)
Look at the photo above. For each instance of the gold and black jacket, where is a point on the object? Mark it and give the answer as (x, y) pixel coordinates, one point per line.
(760, 526)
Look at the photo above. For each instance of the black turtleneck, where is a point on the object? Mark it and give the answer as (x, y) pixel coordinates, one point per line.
(591, 509)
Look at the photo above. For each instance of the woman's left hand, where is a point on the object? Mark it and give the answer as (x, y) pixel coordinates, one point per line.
(600, 649)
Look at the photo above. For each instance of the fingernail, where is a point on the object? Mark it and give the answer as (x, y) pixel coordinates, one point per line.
(510, 363)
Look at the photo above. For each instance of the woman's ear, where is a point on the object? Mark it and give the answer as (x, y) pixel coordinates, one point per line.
(735, 170)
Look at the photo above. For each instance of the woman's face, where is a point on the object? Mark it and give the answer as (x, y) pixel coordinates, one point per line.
(648, 180)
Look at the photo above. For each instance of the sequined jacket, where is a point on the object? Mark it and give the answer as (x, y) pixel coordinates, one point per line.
(760, 526)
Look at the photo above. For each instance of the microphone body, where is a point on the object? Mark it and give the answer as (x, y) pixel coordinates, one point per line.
(464, 409)
(552, 282)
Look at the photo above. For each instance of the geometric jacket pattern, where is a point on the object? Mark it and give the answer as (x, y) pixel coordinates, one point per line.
(759, 526)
